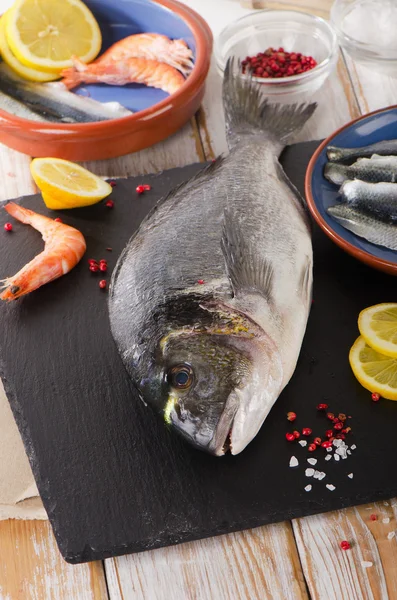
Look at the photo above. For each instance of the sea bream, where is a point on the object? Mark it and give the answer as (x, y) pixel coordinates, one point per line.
(209, 300)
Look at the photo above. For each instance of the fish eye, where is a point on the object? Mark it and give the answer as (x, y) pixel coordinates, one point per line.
(180, 376)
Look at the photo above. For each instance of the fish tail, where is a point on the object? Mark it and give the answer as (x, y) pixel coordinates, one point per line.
(246, 110)
(335, 154)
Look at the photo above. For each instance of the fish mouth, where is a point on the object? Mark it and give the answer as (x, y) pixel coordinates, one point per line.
(221, 442)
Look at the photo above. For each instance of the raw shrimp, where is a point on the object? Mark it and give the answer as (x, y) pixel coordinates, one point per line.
(152, 46)
(132, 70)
(64, 247)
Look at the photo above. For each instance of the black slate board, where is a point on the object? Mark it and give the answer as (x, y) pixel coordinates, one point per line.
(112, 478)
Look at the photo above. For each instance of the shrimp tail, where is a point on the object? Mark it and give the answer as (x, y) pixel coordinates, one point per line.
(19, 212)
(75, 75)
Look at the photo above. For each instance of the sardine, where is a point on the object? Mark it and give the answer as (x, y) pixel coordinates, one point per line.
(52, 102)
(335, 154)
(373, 171)
(365, 225)
(377, 198)
(209, 301)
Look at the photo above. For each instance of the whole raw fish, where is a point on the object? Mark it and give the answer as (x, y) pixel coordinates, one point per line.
(52, 102)
(377, 198)
(386, 147)
(209, 300)
(372, 170)
(365, 225)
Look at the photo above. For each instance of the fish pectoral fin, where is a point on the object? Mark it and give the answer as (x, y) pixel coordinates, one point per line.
(305, 282)
(246, 269)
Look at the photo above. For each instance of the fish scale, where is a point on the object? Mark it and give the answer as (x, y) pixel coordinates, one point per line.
(241, 227)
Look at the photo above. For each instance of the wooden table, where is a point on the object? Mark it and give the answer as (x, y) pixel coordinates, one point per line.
(288, 561)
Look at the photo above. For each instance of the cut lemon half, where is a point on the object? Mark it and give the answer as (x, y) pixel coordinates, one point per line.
(45, 34)
(378, 326)
(376, 372)
(64, 184)
(13, 62)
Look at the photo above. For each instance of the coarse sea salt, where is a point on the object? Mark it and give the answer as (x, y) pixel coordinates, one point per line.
(303, 443)
(309, 472)
(316, 474)
(321, 476)
(330, 487)
(308, 488)
(328, 457)
(391, 535)
(312, 461)
(350, 475)
(336, 457)
(329, 449)
(293, 461)
(386, 520)
(353, 447)
(366, 564)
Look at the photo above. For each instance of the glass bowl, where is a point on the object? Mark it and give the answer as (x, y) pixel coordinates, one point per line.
(366, 29)
(292, 30)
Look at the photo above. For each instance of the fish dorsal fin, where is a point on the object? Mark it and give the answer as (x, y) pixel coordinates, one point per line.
(246, 269)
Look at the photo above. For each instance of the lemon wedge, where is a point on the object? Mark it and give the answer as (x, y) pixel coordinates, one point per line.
(14, 64)
(378, 326)
(64, 184)
(45, 34)
(375, 371)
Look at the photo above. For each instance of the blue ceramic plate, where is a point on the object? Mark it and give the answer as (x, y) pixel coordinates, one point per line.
(321, 194)
(120, 18)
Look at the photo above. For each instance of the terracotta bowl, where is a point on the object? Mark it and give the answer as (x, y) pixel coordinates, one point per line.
(321, 194)
(157, 115)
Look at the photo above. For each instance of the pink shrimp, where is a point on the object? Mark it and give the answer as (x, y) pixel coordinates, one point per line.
(132, 70)
(152, 46)
(64, 248)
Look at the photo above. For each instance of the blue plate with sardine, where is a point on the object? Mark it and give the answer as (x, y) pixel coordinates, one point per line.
(351, 188)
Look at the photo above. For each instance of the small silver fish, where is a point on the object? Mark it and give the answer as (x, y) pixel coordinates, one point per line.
(365, 225)
(51, 102)
(365, 169)
(209, 301)
(377, 198)
(336, 154)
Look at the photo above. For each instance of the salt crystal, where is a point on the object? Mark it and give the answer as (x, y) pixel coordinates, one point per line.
(293, 462)
(321, 476)
(328, 457)
(316, 474)
(336, 457)
(350, 475)
(337, 443)
(391, 535)
(329, 449)
(366, 564)
(308, 488)
(353, 447)
(341, 451)
(348, 451)
(303, 443)
(312, 461)
(386, 520)
(309, 472)
(330, 487)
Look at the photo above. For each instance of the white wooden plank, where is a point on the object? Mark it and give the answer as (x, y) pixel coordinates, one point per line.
(14, 174)
(237, 566)
(368, 570)
(31, 567)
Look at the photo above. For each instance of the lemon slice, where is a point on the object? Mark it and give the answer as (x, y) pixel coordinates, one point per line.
(376, 372)
(14, 64)
(64, 184)
(45, 34)
(378, 326)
